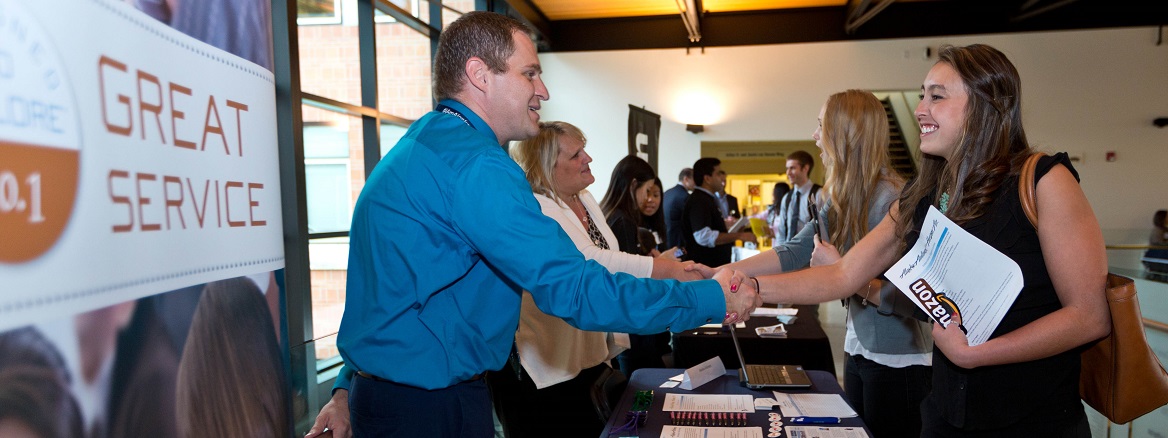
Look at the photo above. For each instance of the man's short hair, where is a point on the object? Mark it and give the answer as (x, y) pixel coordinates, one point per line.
(481, 34)
(803, 158)
(704, 167)
(685, 173)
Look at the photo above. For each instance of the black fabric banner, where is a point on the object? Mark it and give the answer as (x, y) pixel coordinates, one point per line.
(644, 132)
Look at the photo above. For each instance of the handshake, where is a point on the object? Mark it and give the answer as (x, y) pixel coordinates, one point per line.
(740, 291)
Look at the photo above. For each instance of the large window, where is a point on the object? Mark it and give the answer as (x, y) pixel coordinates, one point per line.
(335, 115)
(364, 70)
(364, 77)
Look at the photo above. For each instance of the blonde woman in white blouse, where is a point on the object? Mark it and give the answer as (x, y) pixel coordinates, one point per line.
(549, 376)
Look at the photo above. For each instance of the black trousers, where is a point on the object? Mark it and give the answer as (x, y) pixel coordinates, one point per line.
(379, 408)
(565, 409)
(888, 399)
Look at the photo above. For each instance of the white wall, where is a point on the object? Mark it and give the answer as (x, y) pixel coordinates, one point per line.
(1086, 92)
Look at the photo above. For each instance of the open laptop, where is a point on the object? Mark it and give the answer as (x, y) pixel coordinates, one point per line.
(769, 376)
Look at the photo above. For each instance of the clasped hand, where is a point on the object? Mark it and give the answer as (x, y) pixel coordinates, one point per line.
(741, 295)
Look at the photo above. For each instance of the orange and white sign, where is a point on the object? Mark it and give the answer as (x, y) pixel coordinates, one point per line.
(133, 160)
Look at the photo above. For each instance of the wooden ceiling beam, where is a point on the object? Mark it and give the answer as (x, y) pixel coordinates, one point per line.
(801, 25)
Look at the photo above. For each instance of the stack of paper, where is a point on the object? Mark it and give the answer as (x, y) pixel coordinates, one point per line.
(813, 405)
(771, 311)
(771, 331)
(786, 315)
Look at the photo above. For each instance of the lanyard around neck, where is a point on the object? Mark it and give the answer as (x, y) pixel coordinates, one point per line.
(448, 110)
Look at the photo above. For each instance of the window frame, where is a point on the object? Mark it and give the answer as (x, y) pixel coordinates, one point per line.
(312, 380)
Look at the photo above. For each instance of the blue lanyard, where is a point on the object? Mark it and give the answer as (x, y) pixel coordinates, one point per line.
(448, 110)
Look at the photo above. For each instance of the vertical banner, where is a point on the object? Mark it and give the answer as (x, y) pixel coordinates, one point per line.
(136, 160)
(644, 132)
(140, 220)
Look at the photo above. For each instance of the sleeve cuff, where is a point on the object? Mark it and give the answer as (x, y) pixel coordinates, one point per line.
(711, 304)
(344, 378)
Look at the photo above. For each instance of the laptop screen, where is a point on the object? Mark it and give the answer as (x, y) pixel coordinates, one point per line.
(738, 351)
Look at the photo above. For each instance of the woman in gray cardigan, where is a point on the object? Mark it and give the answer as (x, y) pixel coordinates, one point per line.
(889, 353)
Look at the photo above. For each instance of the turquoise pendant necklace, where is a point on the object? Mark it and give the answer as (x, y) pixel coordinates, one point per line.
(944, 203)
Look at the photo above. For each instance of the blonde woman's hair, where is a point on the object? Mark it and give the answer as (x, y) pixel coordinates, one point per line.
(537, 156)
(855, 141)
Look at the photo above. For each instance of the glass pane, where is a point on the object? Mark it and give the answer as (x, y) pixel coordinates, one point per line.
(390, 134)
(328, 260)
(422, 10)
(454, 9)
(318, 11)
(333, 168)
(327, 192)
(329, 61)
(403, 70)
(416, 8)
(326, 140)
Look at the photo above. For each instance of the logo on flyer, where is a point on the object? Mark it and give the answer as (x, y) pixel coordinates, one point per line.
(936, 304)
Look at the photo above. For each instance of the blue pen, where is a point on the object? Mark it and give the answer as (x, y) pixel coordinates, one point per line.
(815, 420)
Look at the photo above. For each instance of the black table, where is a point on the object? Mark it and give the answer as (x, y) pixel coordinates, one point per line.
(806, 344)
(652, 378)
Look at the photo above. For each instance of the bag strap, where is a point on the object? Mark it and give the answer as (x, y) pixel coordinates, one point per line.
(1026, 186)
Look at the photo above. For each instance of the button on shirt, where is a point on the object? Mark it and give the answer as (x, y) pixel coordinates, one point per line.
(445, 235)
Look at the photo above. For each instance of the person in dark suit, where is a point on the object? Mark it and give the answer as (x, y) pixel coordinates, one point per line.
(793, 208)
(673, 203)
(702, 223)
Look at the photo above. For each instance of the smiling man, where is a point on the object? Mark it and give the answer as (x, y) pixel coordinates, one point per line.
(446, 234)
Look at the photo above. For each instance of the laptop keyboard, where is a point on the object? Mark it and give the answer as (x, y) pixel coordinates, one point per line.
(763, 374)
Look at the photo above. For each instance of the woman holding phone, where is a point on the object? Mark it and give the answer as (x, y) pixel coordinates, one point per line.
(887, 371)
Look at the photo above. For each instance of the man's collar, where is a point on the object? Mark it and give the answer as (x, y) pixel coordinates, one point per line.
(475, 121)
(696, 188)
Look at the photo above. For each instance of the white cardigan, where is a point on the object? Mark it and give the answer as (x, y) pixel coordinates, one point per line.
(550, 350)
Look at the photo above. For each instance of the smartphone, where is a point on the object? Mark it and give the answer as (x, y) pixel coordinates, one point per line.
(820, 226)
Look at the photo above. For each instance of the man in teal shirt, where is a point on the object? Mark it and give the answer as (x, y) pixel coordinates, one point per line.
(445, 235)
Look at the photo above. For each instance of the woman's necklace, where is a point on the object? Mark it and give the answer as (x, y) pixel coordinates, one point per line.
(944, 207)
(578, 208)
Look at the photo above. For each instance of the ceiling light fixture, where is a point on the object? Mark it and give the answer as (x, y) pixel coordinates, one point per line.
(689, 15)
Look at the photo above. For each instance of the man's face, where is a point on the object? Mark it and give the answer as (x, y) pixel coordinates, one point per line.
(797, 172)
(688, 183)
(514, 96)
(716, 181)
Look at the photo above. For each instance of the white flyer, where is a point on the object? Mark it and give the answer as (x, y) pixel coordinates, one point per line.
(950, 270)
(708, 403)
